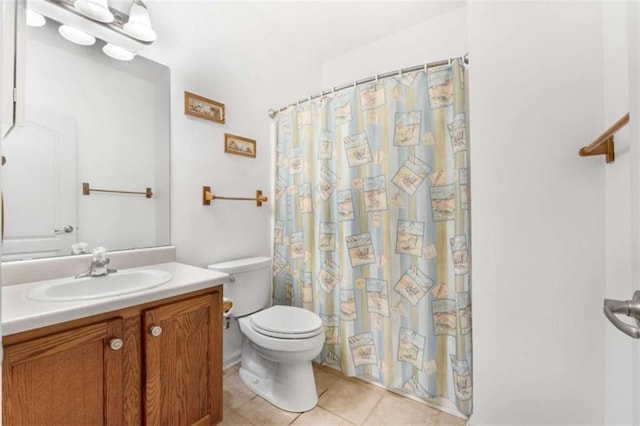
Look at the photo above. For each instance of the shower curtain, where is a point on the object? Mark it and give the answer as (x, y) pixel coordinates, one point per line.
(372, 230)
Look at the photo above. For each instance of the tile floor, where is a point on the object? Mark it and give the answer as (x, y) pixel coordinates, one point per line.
(342, 401)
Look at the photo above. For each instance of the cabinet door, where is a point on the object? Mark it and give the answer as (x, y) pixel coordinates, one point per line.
(69, 378)
(183, 362)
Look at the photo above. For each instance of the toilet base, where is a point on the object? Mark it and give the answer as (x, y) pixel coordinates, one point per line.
(288, 386)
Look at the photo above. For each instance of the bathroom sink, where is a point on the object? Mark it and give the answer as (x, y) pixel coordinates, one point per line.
(117, 283)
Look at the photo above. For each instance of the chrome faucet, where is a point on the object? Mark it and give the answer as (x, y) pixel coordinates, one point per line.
(99, 264)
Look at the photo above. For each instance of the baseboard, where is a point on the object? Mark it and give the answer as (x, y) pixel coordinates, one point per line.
(232, 359)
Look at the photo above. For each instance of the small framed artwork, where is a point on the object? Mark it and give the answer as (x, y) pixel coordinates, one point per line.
(238, 145)
(201, 107)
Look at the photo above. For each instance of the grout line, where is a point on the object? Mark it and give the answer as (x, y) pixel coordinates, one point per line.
(373, 408)
(296, 418)
(235, 412)
(436, 420)
(338, 415)
(323, 392)
(244, 403)
(245, 419)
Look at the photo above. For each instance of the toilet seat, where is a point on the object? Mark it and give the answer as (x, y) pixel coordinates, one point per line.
(286, 322)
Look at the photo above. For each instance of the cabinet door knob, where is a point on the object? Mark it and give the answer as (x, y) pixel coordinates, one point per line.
(116, 344)
(155, 331)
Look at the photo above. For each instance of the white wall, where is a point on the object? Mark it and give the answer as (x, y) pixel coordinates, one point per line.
(536, 92)
(633, 11)
(618, 346)
(215, 50)
(435, 39)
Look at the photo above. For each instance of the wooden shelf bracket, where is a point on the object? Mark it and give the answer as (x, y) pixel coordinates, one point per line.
(603, 145)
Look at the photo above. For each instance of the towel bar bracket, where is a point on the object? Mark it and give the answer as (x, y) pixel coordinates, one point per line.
(87, 190)
(208, 196)
(606, 148)
(603, 145)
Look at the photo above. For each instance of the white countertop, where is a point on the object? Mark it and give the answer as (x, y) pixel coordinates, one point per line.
(21, 314)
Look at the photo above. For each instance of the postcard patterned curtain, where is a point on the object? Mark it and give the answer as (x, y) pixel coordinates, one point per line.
(372, 230)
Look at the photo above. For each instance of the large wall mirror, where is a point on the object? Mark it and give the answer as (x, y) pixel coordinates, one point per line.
(89, 119)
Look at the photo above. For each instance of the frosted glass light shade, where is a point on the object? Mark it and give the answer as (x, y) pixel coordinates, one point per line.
(95, 9)
(34, 19)
(76, 36)
(139, 25)
(117, 52)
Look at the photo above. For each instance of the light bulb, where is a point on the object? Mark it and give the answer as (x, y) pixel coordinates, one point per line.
(97, 10)
(34, 19)
(76, 36)
(139, 24)
(117, 52)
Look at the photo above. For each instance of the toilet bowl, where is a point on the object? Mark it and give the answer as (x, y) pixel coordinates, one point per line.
(278, 342)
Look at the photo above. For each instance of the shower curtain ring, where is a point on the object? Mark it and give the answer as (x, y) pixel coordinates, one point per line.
(425, 67)
(400, 73)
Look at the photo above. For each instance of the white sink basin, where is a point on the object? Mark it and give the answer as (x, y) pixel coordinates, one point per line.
(117, 283)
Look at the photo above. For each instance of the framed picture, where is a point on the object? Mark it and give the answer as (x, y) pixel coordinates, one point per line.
(201, 107)
(238, 145)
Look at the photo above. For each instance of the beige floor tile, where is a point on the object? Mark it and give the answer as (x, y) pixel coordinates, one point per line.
(343, 401)
(235, 393)
(324, 379)
(261, 412)
(231, 417)
(320, 417)
(326, 368)
(229, 371)
(350, 400)
(373, 388)
(445, 419)
(394, 409)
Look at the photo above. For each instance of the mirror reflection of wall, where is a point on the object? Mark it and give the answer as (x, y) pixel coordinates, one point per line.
(88, 118)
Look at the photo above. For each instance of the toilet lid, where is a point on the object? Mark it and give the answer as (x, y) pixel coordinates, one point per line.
(286, 322)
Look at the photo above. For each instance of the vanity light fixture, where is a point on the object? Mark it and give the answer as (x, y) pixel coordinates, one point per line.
(117, 52)
(139, 24)
(34, 19)
(95, 9)
(76, 36)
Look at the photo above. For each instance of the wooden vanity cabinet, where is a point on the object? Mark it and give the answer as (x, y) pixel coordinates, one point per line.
(179, 347)
(153, 364)
(67, 378)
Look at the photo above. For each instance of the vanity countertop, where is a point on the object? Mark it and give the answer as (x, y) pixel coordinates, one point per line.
(21, 314)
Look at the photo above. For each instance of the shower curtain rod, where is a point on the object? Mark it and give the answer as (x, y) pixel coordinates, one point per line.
(273, 113)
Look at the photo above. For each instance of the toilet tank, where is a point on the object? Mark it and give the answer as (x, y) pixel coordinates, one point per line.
(249, 284)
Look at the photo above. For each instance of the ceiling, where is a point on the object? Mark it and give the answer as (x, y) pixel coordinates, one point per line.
(312, 29)
(331, 28)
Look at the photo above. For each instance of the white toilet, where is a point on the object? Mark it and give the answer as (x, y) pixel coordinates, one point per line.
(278, 342)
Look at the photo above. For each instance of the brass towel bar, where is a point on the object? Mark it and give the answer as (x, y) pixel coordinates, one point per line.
(603, 145)
(207, 197)
(86, 190)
